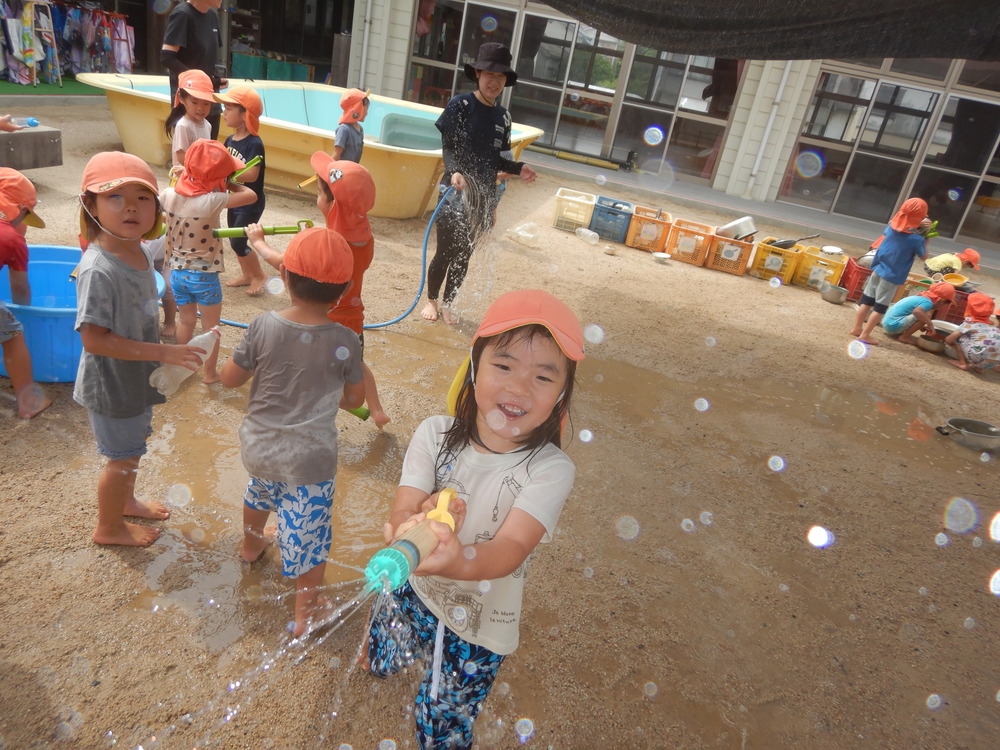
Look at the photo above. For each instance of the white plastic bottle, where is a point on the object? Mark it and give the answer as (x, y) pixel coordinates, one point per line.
(587, 235)
(168, 378)
(526, 234)
(25, 122)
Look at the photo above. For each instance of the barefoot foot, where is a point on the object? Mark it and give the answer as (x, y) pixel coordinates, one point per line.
(254, 544)
(148, 509)
(430, 311)
(380, 418)
(168, 331)
(868, 342)
(211, 377)
(447, 316)
(129, 535)
(256, 286)
(855, 332)
(240, 281)
(31, 402)
(314, 618)
(958, 364)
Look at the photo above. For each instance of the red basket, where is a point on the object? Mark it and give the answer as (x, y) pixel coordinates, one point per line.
(955, 312)
(853, 279)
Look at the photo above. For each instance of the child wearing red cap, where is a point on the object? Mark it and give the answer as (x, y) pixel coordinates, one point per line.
(17, 204)
(118, 321)
(349, 138)
(953, 262)
(500, 452)
(977, 340)
(345, 193)
(187, 122)
(193, 208)
(912, 313)
(304, 367)
(900, 244)
(242, 110)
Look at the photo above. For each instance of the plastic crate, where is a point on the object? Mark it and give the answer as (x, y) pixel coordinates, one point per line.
(611, 219)
(648, 229)
(955, 312)
(816, 268)
(853, 279)
(573, 209)
(774, 262)
(689, 241)
(729, 255)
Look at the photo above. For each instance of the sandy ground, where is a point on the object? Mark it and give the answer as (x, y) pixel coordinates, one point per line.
(680, 605)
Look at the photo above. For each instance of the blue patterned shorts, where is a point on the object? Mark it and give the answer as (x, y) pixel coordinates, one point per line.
(303, 511)
(190, 287)
(403, 630)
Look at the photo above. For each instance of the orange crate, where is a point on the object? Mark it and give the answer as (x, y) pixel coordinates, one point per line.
(649, 229)
(816, 268)
(688, 241)
(729, 255)
(774, 262)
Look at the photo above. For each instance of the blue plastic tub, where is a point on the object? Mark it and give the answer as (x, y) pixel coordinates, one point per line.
(611, 219)
(49, 322)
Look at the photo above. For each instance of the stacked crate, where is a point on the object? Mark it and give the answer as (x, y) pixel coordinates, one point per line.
(573, 209)
(648, 229)
(689, 241)
(611, 219)
(816, 268)
(772, 262)
(729, 255)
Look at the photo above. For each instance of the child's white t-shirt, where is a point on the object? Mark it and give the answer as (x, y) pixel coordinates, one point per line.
(190, 221)
(186, 132)
(486, 613)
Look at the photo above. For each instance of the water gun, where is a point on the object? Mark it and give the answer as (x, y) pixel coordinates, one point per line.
(242, 231)
(395, 562)
(235, 176)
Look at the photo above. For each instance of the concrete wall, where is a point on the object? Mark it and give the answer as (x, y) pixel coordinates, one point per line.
(749, 128)
(386, 64)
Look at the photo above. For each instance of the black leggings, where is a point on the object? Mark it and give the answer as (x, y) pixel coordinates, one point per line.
(459, 227)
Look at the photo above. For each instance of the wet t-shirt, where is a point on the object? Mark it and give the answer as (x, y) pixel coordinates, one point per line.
(190, 221)
(472, 139)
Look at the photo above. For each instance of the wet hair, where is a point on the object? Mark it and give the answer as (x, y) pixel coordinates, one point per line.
(310, 290)
(465, 430)
(176, 113)
(89, 209)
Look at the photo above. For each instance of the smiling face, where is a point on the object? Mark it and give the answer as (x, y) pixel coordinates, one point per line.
(517, 387)
(126, 212)
(197, 109)
(491, 84)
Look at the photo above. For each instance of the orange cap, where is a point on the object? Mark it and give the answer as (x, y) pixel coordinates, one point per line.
(940, 290)
(909, 215)
(530, 306)
(16, 193)
(352, 102)
(109, 169)
(207, 166)
(197, 84)
(979, 308)
(250, 100)
(351, 184)
(970, 256)
(320, 254)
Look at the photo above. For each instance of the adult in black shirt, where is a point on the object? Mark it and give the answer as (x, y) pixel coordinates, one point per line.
(192, 40)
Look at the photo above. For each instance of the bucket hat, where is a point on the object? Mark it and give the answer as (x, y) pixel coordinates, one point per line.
(207, 166)
(197, 84)
(17, 192)
(979, 308)
(909, 215)
(320, 254)
(353, 103)
(109, 169)
(970, 256)
(247, 98)
(495, 58)
(938, 291)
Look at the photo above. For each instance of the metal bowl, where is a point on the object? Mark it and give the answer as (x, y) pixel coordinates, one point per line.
(930, 344)
(835, 294)
(737, 230)
(972, 433)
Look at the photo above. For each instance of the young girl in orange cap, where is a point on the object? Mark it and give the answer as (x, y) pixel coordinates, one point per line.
(500, 452)
(187, 122)
(901, 244)
(977, 340)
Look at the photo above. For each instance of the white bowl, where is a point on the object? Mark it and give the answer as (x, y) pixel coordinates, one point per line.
(661, 257)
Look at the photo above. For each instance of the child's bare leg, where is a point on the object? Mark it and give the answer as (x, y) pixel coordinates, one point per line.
(379, 416)
(187, 318)
(307, 599)
(906, 337)
(115, 496)
(251, 274)
(29, 397)
(960, 361)
(866, 335)
(210, 317)
(256, 537)
(859, 320)
(169, 327)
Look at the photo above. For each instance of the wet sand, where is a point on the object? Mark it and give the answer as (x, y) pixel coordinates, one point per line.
(680, 605)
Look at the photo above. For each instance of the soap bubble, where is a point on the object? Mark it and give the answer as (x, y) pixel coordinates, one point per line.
(593, 333)
(484, 586)
(984, 457)
(470, 668)
(701, 404)
(387, 744)
(458, 615)
(687, 525)
(923, 591)
(710, 341)
(649, 689)
(941, 539)
(151, 307)
(819, 537)
(161, 6)
(627, 528)
(525, 729)
(977, 542)
(197, 535)
(857, 349)
(495, 419)
(955, 194)
(775, 282)
(934, 701)
(342, 353)
(177, 495)
(588, 573)
(600, 179)
(653, 136)
(995, 528)
(783, 587)
(598, 378)
(995, 583)
(776, 463)
(586, 436)
(809, 164)
(960, 516)
(306, 338)
(469, 552)
(706, 518)
(970, 623)
(489, 24)
(63, 732)
(274, 285)
(345, 746)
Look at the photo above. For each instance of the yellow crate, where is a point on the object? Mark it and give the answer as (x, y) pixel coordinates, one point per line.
(729, 255)
(573, 209)
(688, 241)
(649, 229)
(774, 262)
(816, 268)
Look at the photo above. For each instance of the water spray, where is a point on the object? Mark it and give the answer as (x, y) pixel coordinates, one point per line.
(395, 562)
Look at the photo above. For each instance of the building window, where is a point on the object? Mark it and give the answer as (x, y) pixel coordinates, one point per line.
(898, 120)
(839, 107)
(980, 75)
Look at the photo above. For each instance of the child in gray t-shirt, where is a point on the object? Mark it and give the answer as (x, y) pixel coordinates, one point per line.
(304, 368)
